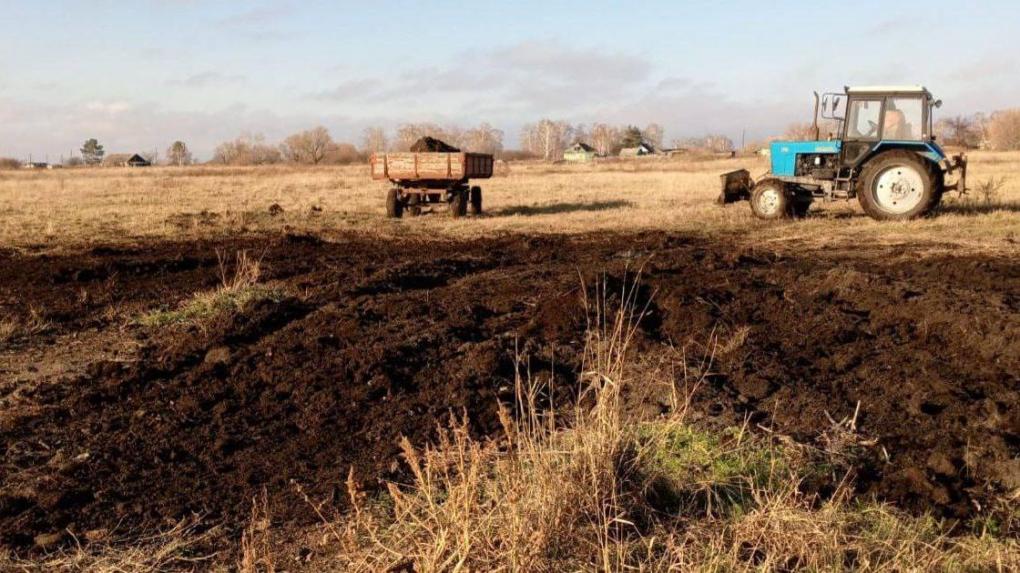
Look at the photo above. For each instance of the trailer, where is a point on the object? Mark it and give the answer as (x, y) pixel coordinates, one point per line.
(422, 178)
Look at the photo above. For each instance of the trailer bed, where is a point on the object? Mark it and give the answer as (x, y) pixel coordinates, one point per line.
(431, 166)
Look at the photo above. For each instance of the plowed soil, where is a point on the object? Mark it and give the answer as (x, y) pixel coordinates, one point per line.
(382, 339)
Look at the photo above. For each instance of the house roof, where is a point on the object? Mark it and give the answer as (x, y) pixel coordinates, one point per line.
(582, 146)
(643, 148)
(122, 158)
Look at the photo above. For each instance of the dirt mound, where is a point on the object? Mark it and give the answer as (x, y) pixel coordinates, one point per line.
(389, 339)
(431, 144)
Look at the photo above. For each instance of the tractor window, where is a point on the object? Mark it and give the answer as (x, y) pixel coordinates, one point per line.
(904, 120)
(862, 121)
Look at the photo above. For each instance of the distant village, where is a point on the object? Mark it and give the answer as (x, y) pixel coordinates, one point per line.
(112, 160)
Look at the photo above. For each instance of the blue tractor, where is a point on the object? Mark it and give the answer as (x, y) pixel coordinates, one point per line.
(885, 155)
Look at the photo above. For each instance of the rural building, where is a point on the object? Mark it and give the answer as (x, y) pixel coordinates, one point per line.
(126, 160)
(580, 153)
(639, 151)
(34, 165)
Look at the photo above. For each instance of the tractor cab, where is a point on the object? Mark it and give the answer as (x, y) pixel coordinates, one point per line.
(882, 150)
(870, 119)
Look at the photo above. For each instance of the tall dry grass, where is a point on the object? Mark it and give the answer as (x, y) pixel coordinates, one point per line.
(598, 489)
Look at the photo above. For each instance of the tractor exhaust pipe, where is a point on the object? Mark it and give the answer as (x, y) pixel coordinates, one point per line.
(818, 130)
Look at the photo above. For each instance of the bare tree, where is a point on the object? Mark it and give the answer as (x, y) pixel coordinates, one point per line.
(343, 154)
(483, 139)
(1004, 130)
(308, 147)
(580, 133)
(247, 150)
(373, 139)
(799, 132)
(654, 134)
(605, 139)
(546, 139)
(709, 143)
(961, 131)
(409, 133)
(178, 154)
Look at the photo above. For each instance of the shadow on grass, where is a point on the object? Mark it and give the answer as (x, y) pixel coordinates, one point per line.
(559, 208)
(979, 207)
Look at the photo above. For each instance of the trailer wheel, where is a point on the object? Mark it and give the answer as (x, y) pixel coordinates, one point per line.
(458, 203)
(414, 204)
(394, 204)
(476, 200)
(897, 186)
(771, 199)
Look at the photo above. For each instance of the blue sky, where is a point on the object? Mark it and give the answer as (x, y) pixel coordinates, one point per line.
(141, 74)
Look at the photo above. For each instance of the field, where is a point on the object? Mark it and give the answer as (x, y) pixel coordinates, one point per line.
(220, 367)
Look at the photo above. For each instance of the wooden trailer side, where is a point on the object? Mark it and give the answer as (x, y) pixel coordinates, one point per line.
(431, 166)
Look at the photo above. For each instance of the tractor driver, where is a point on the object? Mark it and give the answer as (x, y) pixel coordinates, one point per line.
(895, 122)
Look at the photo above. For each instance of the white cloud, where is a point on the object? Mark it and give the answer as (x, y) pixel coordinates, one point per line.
(208, 79)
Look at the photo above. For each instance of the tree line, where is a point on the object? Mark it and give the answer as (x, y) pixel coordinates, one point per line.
(545, 139)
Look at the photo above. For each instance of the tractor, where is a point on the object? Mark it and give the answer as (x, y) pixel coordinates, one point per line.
(883, 152)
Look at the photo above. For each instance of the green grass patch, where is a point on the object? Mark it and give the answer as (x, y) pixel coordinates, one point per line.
(206, 305)
(694, 471)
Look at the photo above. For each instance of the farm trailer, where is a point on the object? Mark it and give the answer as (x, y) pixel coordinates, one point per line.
(424, 178)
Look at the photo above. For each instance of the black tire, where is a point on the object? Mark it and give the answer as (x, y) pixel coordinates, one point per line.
(458, 203)
(414, 204)
(898, 186)
(394, 204)
(771, 199)
(476, 200)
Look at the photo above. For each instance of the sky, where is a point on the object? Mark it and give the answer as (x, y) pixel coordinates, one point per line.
(139, 75)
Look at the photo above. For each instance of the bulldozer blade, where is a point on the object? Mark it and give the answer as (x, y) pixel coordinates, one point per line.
(736, 186)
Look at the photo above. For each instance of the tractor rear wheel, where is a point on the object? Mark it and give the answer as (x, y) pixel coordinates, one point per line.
(476, 200)
(771, 199)
(394, 204)
(897, 186)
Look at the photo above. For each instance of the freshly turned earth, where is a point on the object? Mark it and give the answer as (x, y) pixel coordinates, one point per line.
(383, 339)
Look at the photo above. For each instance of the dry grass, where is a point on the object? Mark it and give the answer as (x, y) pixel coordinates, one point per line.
(170, 550)
(602, 491)
(13, 328)
(72, 208)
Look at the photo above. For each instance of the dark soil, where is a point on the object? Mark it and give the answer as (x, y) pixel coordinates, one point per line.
(383, 339)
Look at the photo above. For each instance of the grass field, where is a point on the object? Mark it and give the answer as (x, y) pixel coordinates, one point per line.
(54, 210)
(252, 369)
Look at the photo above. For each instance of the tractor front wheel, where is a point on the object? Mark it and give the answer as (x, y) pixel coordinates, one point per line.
(770, 200)
(898, 186)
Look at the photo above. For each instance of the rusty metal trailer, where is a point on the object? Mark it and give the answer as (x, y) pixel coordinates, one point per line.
(423, 178)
